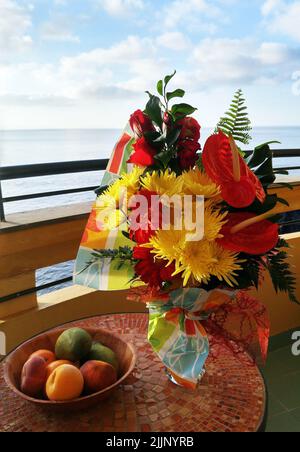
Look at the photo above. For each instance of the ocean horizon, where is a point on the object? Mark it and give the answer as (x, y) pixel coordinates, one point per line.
(26, 147)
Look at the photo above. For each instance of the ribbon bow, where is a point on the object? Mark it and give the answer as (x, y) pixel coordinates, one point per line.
(178, 329)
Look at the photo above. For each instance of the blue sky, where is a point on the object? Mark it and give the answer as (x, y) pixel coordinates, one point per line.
(75, 63)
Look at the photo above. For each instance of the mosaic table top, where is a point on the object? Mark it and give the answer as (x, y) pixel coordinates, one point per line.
(230, 398)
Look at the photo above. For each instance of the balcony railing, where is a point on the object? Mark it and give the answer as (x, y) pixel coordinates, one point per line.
(47, 169)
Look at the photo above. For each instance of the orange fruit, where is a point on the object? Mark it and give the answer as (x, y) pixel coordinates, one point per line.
(64, 384)
(53, 366)
(47, 355)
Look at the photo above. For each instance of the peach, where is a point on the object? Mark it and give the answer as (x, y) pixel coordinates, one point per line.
(34, 376)
(48, 356)
(97, 376)
(53, 366)
(64, 384)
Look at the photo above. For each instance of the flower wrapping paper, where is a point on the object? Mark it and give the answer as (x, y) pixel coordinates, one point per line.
(106, 274)
(177, 335)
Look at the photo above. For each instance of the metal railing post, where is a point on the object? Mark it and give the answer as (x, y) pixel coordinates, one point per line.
(2, 213)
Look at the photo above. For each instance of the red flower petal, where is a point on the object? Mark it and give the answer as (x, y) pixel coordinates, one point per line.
(239, 194)
(151, 271)
(218, 163)
(140, 123)
(144, 153)
(259, 238)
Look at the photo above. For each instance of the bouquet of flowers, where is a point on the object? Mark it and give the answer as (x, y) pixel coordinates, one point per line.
(188, 232)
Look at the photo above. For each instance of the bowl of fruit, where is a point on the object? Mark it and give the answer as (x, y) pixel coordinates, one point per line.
(69, 369)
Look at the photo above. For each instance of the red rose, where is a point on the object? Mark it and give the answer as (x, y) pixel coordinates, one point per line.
(152, 271)
(187, 159)
(144, 153)
(190, 129)
(189, 145)
(140, 123)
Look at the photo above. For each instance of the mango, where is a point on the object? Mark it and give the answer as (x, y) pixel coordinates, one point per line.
(97, 376)
(101, 353)
(73, 345)
(65, 383)
(34, 376)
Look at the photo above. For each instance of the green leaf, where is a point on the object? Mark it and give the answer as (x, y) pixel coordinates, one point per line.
(173, 136)
(160, 87)
(284, 202)
(282, 277)
(153, 110)
(176, 93)
(183, 110)
(168, 78)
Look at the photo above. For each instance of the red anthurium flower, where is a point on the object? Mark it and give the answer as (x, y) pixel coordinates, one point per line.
(245, 232)
(152, 271)
(140, 123)
(144, 153)
(190, 129)
(225, 166)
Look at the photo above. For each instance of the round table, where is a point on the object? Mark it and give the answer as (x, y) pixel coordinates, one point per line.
(230, 398)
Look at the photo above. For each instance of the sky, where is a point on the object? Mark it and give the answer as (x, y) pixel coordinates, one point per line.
(87, 63)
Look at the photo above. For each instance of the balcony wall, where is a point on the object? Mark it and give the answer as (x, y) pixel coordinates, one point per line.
(32, 241)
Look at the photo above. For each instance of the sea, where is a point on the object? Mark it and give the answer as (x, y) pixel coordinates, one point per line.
(25, 147)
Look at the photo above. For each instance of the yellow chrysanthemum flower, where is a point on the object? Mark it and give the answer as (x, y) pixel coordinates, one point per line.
(108, 213)
(195, 182)
(214, 220)
(225, 265)
(132, 181)
(195, 262)
(162, 183)
(168, 245)
(128, 182)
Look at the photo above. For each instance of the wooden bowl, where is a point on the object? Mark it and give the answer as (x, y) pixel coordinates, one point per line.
(15, 361)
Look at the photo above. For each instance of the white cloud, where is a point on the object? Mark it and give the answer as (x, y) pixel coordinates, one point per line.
(15, 24)
(118, 71)
(241, 61)
(191, 14)
(270, 6)
(283, 17)
(120, 74)
(121, 7)
(58, 31)
(174, 41)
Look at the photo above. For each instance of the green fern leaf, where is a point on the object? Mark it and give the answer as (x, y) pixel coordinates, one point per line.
(235, 122)
(280, 271)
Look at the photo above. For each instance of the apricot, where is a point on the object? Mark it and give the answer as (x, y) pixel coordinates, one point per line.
(98, 375)
(53, 366)
(48, 356)
(34, 376)
(64, 384)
